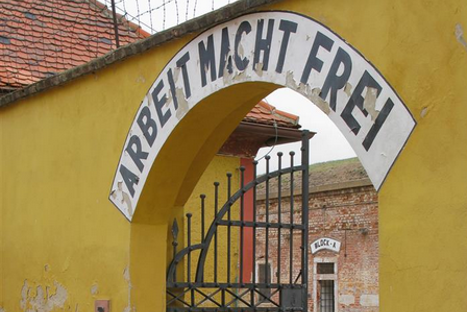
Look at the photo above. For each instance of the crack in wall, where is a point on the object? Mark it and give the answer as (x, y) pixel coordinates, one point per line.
(127, 277)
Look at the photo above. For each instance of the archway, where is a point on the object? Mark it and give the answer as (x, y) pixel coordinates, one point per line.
(207, 88)
(260, 48)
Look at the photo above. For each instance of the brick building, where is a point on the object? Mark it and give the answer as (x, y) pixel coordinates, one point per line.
(343, 234)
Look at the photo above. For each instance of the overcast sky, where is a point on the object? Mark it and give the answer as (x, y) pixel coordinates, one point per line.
(327, 144)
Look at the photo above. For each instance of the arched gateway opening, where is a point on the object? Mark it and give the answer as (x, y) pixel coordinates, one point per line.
(210, 84)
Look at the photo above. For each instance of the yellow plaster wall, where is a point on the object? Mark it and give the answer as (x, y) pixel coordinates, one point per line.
(216, 172)
(60, 150)
(62, 240)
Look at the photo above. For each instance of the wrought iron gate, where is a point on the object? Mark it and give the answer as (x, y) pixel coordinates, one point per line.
(277, 243)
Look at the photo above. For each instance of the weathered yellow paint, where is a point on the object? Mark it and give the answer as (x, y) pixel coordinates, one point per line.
(216, 172)
(59, 150)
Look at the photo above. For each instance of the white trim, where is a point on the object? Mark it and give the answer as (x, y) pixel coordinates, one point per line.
(325, 277)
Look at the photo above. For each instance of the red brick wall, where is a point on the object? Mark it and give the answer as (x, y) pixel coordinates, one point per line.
(347, 215)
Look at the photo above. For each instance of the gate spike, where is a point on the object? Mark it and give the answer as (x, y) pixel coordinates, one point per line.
(203, 197)
(175, 229)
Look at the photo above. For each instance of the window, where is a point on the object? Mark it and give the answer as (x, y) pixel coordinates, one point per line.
(264, 277)
(326, 296)
(325, 268)
(325, 284)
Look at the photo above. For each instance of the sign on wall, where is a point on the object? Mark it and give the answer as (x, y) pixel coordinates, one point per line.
(325, 243)
(283, 48)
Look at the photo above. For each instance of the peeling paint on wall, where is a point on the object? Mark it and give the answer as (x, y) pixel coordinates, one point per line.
(42, 298)
(459, 32)
(94, 289)
(141, 79)
(318, 101)
(127, 277)
(123, 197)
(370, 102)
(183, 107)
(423, 112)
(348, 89)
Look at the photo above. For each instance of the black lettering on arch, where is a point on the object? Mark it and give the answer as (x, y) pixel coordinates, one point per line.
(173, 91)
(135, 150)
(159, 103)
(334, 82)
(382, 116)
(225, 58)
(263, 44)
(313, 62)
(147, 125)
(357, 100)
(287, 27)
(181, 63)
(129, 178)
(207, 60)
(243, 28)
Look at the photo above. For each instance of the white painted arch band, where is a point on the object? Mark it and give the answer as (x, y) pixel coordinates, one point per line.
(283, 48)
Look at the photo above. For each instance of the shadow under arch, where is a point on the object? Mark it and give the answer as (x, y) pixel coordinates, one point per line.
(209, 86)
(191, 147)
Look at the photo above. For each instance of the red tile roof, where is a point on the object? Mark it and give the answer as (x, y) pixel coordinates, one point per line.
(39, 38)
(265, 113)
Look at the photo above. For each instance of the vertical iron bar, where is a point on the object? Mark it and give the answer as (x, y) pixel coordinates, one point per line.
(279, 216)
(114, 15)
(229, 233)
(266, 205)
(192, 291)
(242, 202)
(188, 215)
(223, 298)
(203, 197)
(216, 207)
(305, 197)
(291, 218)
(175, 244)
(253, 258)
(253, 278)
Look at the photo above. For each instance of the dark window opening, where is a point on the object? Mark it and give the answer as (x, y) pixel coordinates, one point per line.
(325, 268)
(264, 277)
(326, 296)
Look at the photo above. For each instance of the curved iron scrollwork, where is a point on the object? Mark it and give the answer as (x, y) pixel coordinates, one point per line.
(253, 286)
